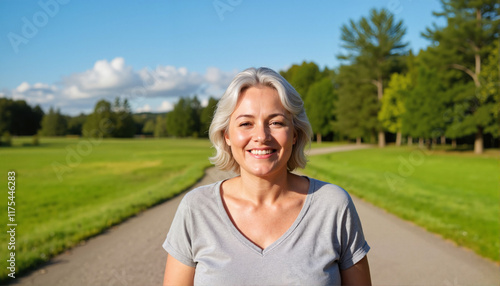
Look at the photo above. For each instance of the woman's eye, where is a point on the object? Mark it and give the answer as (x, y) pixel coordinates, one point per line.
(243, 124)
(277, 123)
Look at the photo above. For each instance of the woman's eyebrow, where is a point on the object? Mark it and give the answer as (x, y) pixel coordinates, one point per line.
(251, 116)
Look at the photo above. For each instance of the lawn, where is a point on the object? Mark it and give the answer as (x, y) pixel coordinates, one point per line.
(453, 194)
(69, 189)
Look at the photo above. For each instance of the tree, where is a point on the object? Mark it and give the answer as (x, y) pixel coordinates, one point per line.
(393, 104)
(149, 127)
(53, 124)
(19, 118)
(301, 77)
(101, 121)
(374, 44)
(355, 112)
(184, 120)
(160, 129)
(124, 122)
(75, 124)
(206, 116)
(463, 44)
(319, 107)
(425, 105)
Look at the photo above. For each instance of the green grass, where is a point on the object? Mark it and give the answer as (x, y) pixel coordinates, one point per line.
(99, 186)
(455, 195)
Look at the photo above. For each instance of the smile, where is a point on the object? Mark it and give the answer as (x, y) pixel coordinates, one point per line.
(262, 152)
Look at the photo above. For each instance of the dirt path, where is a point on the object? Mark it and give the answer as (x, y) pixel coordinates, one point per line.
(131, 253)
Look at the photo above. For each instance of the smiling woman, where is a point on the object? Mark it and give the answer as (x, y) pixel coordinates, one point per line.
(266, 226)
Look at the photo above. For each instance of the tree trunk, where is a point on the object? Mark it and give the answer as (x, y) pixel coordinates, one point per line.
(318, 138)
(454, 143)
(421, 142)
(478, 143)
(398, 139)
(443, 140)
(381, 139)
(410, 140)
(358, 140)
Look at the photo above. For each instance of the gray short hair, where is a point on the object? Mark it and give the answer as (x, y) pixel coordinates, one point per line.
(291, 101)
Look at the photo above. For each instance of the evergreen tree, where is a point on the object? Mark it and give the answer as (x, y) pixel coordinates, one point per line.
(101, 122)
(149, 127)
(53, 124)
(463, 44)
(206, 116)
(319, 107)
(125, 125)
(75, 124)
(301, 77)
(425, 105)
(356, 110)
(375, 44)
(160, 129)
(19, 118)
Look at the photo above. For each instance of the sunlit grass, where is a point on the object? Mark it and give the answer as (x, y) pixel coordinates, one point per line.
(91, 188)
(453, 194)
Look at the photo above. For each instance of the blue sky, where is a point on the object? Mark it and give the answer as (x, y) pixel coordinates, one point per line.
(71, 53)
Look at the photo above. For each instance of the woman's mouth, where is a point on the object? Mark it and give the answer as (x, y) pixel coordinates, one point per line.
(262, 152)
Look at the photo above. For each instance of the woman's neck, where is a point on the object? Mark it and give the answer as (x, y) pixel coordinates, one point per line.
(264, 190)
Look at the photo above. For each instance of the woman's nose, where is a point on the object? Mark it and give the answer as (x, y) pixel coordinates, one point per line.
(262, 133)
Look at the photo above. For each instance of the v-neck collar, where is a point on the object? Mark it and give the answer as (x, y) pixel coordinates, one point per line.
(234, 230)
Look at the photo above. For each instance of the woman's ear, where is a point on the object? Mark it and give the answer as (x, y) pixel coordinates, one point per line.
(226, 137)
(294, 137)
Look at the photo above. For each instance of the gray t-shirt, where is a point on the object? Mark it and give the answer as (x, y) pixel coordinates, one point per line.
(326, 237)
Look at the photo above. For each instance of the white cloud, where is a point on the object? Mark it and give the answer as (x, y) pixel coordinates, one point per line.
(165, 106)
(145, 108)
(38, 93)
(109, 79)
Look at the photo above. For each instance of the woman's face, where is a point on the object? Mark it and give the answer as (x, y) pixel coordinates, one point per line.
(261, 133)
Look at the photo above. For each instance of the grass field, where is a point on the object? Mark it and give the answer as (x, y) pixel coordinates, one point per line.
(453, 194)
(71, 189)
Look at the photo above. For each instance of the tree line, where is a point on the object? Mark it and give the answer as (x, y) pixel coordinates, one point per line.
(188, 119)
(447, 92)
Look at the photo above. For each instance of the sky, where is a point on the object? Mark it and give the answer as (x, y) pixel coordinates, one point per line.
(69, 54)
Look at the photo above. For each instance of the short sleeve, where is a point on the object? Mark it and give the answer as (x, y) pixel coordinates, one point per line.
(353, 244)
(178, 242)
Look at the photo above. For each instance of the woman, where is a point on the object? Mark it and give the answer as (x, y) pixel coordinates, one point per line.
(266, 226)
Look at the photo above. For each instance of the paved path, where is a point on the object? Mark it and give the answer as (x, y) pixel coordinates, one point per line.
(131, 253)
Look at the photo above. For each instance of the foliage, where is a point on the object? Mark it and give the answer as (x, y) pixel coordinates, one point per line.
(53, 123)
(184, 120)
(301, 77)
(206, 116)
(463, 44)
(149, 127)
(124, 122)
(357, 106)
(18, 118)
(75, 124)
(106, 121)
(374, 45)
(393, 102)
(425, 106)
(319, 106)
(160, 128)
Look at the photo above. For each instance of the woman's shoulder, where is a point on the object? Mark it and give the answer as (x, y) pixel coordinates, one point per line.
(328, 192)
(201, 194)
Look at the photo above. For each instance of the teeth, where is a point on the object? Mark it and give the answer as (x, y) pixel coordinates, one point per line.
(261, 152)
